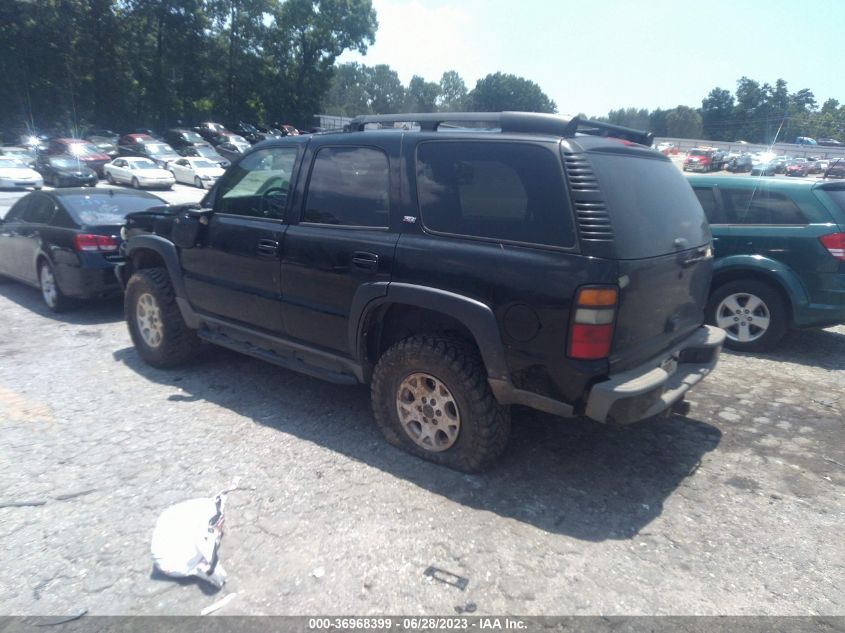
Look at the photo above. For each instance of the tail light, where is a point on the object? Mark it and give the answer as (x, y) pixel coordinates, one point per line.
(591, 328)
(85, 242)
(835, 244)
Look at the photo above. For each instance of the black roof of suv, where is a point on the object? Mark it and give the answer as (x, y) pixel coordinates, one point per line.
(457, 262)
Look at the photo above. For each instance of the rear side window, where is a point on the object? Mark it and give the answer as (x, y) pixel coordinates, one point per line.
(495, 190)
(760, 206)
(349, 186)
(40, 210)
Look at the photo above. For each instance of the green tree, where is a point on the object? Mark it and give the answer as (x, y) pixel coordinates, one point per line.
(683, 122)
(385, 92)
(453, 92)
(500, 91)
(347, 94)
(629, 117)
(421, 95)
(657, 122)
(717, 112)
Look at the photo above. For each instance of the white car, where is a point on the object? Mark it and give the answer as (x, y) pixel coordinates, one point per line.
(14, 174)
(138, 172)
(199, 172)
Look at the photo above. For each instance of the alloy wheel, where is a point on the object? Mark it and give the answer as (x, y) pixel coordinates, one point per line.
(744, 317)
(428, 412)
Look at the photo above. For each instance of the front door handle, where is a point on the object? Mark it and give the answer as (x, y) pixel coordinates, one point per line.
(268, 248)
(365, 261)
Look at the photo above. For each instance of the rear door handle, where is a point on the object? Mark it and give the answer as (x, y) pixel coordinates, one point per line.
(268, 248)
(365, 261)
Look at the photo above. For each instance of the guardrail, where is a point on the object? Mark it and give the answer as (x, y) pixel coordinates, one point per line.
(790, 149)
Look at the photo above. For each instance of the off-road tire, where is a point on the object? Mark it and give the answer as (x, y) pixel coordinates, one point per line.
(484, 423)
(179, 342)
(778, 315)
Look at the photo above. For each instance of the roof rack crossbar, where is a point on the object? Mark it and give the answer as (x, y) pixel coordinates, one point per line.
(518, 122)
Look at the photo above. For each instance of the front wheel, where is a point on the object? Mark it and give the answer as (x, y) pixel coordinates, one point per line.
(431, 397)
(109, 178)
(198, 183)
(751, 312)
(156, 326)
(135, 183)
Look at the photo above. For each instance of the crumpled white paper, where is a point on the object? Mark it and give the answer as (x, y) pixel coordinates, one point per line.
(186, 538)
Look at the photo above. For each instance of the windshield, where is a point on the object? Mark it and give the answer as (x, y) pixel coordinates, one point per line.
(10, 162)
(234, 138)
(65, 163)
(192, 137)
(697, 152)
(142, 164)
(206, 151)
(205, 164)
(82, 149)
(159, 149)
(98, 209)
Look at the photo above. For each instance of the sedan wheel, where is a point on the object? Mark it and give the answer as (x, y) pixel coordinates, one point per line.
(198, 183)
(50, 291)
(110, 178)
(135, 183)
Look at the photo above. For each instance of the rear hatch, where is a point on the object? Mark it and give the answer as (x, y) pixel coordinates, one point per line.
(658, 234)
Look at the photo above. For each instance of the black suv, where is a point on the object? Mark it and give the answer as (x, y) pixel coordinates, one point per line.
(457, 269)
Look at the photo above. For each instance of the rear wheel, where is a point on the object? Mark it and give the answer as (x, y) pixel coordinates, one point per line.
(751, 312)
(50, 291)
(431, 398)
(156, 326)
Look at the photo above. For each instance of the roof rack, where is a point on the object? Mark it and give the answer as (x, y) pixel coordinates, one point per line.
(519, 122)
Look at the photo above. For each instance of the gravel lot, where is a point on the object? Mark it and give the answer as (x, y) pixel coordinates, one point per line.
(737, 509)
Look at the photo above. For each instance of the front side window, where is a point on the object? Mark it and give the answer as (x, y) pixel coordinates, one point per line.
(349, 186)
(258, 185)
(494, 190)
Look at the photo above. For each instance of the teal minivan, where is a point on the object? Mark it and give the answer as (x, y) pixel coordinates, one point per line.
(779, 248)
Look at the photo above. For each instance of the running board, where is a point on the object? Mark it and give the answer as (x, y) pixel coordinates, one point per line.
(288, 359)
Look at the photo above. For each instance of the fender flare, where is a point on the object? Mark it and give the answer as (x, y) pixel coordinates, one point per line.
(475, 315)
(164, 249)
(772, 269)
(167, 251)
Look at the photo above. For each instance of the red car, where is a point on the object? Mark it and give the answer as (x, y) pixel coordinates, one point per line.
(83, 150)
(797, 167)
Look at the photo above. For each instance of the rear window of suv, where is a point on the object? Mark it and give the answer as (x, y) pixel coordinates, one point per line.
(503, 191)
(650, 203)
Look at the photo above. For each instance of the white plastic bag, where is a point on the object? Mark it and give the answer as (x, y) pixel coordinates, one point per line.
(186, 538)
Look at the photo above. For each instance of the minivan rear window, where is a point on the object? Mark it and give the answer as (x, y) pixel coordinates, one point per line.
(653, 208)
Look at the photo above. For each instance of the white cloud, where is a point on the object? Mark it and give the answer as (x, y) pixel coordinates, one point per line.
(416, 39)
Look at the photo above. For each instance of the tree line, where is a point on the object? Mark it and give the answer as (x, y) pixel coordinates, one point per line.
(755, 112)
(156, 63)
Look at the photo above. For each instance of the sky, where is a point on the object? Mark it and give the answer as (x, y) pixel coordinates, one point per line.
(592, 56)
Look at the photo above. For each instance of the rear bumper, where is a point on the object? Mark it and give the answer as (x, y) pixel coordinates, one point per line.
(655, 386)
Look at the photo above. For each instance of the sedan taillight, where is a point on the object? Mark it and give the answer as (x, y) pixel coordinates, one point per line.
(86, 242)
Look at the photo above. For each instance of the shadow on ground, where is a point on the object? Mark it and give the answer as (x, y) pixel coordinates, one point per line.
(92, 312)
(572, 477)
(812, 347)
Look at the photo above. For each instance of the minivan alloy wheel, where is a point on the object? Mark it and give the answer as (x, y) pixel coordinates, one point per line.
(428, 412)
(744, 317)
(148, 315)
